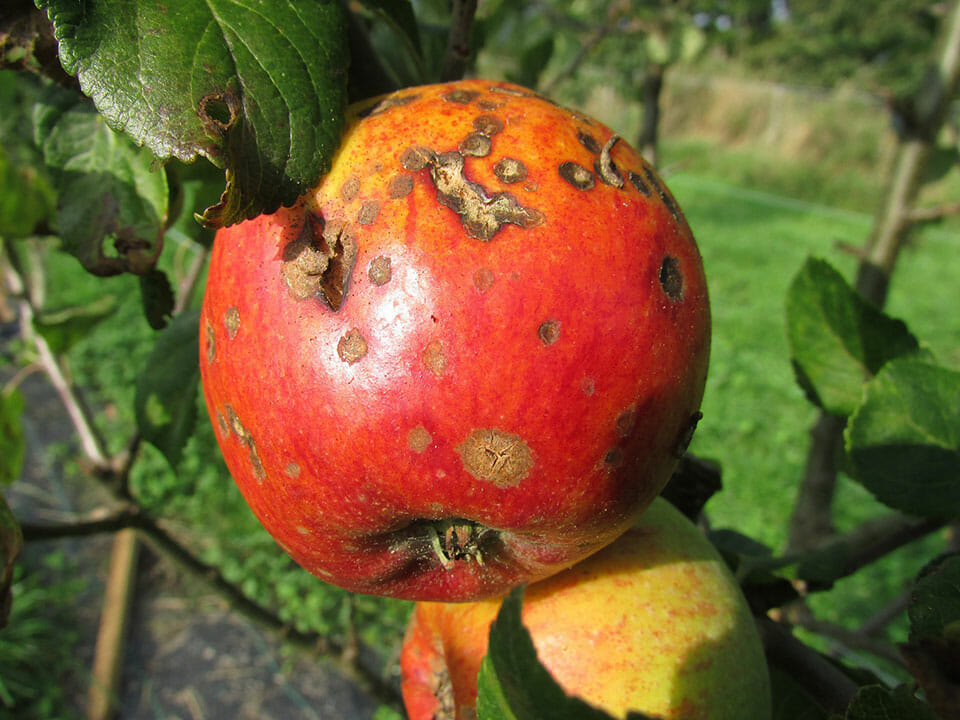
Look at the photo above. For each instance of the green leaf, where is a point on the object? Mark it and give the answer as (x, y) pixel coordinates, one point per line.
(878, 703)
(11, 542)
(157, 297)
(25, 201)
(904, 440)
(256, 88)
(934, 608)
(514, 685)
(63, 328)
(166, 397)
(837, 339)
(12, 444)
(110, 192)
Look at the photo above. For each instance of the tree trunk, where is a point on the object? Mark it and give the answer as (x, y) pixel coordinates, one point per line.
(652, 85)
(812, 517)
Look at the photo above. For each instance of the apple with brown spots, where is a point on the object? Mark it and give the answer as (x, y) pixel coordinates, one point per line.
(469, 357)
(653, 623)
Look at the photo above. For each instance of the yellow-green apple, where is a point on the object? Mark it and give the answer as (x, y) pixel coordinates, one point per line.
(654, 622)
(469, 357)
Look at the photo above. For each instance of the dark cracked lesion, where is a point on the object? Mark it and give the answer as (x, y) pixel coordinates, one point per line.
(319, 261)
(495, 456)
(481, 213)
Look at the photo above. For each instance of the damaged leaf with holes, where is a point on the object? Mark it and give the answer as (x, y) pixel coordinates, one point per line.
(258, 94)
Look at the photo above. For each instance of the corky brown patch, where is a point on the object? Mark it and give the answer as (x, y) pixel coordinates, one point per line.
(352, 347)
(475, 145)
(549, 332)
(211, 340)
(434, 358)
(231, 320)
(416, 158)
(657, 185)
(589, 142)
(350, 188)
(292, 470)
(488, 125)
(495, 456)
(400, 186)
(461, 96)
(606, 170)
(483, 279)
(318, 263)
(380, 270)
(482, 215)
(246, 438)
(419, 439)
(671, 278)
(510, 170)
(389, 103)
(577, 175)
(638, 182)
(368, 212)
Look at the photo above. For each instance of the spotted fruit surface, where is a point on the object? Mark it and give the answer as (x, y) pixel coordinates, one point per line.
(469, 357)
(654, 622)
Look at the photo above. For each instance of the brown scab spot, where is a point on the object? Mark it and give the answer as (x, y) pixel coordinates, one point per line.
(388, 103)
(614, 458)
(461, 97)
(488, 125)
(495, 456)
(514, 91)
(400, 186)
(686, 436)
(475, 145)
(231, 320)
(483, 279)
(379, 270)
(481, 215)
(589, 142)
(292, 470)
(434, 358)
(662, 192)
(222, 424)
(350, 188)
(549, 332)
(671, 278)
(246, 438)
(319, 261)
(255, 459)
(510, 170)
(577, 175)
(211, 341)
(489, 105)
(638, 182)
(368, 212)
(416, 158)
(606, 170)
(419, 439)
(588, 385)
(626, 422)
(238, 429)
(352, 346)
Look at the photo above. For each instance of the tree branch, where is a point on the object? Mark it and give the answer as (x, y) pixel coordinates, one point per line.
(923, 215)
(799, 614)
(459, 45)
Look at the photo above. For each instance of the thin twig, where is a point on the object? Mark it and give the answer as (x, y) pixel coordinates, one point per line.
(877, 622)
(921, 215)
(459, 45)
(800, 615)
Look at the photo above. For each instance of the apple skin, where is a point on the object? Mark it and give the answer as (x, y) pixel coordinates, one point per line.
(461, 362)
(654, 623)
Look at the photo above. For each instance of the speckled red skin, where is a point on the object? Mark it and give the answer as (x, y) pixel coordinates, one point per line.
(343, 459)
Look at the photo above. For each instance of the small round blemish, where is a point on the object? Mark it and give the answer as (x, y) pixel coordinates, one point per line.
(231, 320)
(476, 145)
(434, 359)
(549, 332)
(483, 279)
(577, 175)
(588, 385)
(488, 125)
(626, 422)
(419, 439)
(303, 530)
(400, 186)
(510, 170)
(350, 188)
(368, 212)
(671, 278)
(461, 97)
(380, 270)
(415, 158)
(292, 470)
(352, 347)
(613, 458)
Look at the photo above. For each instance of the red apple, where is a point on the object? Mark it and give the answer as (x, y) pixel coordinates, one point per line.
(653, 623)
(467, 359)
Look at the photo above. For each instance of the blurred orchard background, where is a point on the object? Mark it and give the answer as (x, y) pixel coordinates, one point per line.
(780, 127)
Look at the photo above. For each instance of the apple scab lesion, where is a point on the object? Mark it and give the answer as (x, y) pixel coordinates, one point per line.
(233, 421)
(319, 261)
(495, 456)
